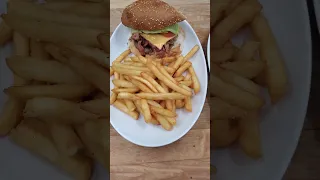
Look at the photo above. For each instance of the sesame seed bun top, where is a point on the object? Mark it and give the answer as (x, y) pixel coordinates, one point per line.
(150, 15)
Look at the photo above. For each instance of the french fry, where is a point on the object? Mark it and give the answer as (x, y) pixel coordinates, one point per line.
(129, 96)
(164, 123)
(93, 73)
(56, 111)
(222, 55)
(177, 63)
(165, 73)
(249, 139)
(187, 100)
(145, 110)
(95, 54)
(47, 31)
(111, 71)
(240, 81)
(153, 82)
(166, 81)
(160, 96)
(61, 91)
(79, 8)
(96, 106)
(168, 59)
(120, 65)
(34, 135)
(242, 15)
(35, 12)
(180, 78)
(55, 52)
(147, 83)
(224, 110)
(21, 44)
(10, 115)
(223, 134)
(171, 120)
(154, 103)
(247, 69)
(247, 51)
(169, 104)
(190, 54)
(116, 75)
(129, 72)
(113, 98)
(163, 104)
(141, 86)
(123, 55)
(234, 95)
(65, 139)
(163, 111)
(122, 107)
(128, 90)
(187, 77)
(37, 50)
(154, 121)
(275, 73)
(195, 80)
(182, 69)
(6, 33)
(123, 83)
(179, 103)
(130, 105)
(30, 68)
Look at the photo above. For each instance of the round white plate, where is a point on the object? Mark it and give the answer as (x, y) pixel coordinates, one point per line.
(17, 163)
(281, 124)
(208, 52)
(316, 4)
(137, 131)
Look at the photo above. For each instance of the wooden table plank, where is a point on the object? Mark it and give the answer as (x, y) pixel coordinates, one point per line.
(189, 157)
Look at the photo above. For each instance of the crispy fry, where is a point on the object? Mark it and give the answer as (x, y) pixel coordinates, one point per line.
(37, 50)
(182, 69)
(247, 51)
(163, 121)
(113, 98)
(129, 72)
(180, 78)
(125, 95)
(141, 86)
(145, 110)
(163, 111)
(123, 55)
(6, 33)
(171, 120)
(177, 63)
(153, 82)
(147, 83)
(96, 106)
(222, 55)
(235, 95)
(123, 83)
(47, 31)
(128, 90)
(165, 73)
(166, 81)
(154, 103)
(195, 80)
(130, 105)
(275, 73)
(122, 107)
(224, 110)
(190, 54)
(223, 134)
(160, 96)
(247, 69)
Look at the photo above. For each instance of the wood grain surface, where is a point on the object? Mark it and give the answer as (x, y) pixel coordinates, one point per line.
(189, 157)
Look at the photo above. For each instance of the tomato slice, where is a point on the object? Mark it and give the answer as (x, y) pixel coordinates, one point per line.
(168, 34)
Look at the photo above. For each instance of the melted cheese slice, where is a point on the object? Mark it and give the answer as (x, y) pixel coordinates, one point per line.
(156, 39)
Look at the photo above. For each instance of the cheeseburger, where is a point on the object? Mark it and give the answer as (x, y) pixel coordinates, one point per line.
(154, 27)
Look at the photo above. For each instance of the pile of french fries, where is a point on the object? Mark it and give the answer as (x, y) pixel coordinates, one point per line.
(239, 73)
(57, 106)
(154, 87)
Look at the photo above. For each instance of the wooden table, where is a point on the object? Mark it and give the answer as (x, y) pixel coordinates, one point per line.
(189, 157)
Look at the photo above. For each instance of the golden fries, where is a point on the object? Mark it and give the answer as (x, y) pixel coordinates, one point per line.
(122, 107)
(154, 87)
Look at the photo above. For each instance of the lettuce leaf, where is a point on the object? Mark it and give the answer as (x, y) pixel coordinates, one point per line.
(173, 28)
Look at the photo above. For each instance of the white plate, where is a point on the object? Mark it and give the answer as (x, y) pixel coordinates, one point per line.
(17, 163)
(281, 124)
(208, 52)
(316, 4)
(140, 133)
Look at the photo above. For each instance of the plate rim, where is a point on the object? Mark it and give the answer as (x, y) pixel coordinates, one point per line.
(208, 53)
(203, 99)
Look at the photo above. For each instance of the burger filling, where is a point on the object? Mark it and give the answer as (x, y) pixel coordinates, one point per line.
(158, 43)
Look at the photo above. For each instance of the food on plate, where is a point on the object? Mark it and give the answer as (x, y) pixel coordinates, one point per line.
(240, 72)
(152, 90)
(155, 28)
(58, 98)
